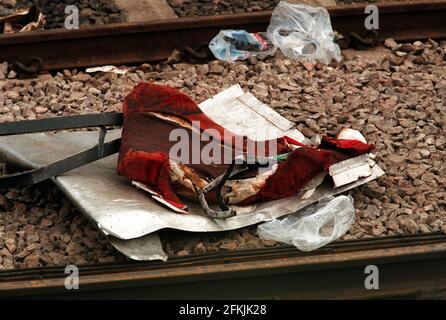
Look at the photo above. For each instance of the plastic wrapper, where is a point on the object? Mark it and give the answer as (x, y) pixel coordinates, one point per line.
(232, 45)
(303, 32)
(314, 226)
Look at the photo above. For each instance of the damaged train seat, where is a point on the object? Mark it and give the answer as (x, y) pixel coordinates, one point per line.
(214, 166)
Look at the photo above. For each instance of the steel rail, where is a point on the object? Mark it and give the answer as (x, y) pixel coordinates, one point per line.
(244, 255)
(131, 43)
(409, 266)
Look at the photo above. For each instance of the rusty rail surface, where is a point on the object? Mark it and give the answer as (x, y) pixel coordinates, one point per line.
(409, 266)
(131, 43)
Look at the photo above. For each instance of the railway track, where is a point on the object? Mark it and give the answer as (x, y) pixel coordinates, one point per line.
(410, 265)
(133, 43)
(336, 271)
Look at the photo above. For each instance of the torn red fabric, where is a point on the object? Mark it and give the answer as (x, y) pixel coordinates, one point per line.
(150, 97)
(304, 164)
(351, 148)
(152, 111)
(151, 169)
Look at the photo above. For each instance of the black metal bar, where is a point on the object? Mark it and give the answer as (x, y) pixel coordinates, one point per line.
(61, 123)
(59, 167)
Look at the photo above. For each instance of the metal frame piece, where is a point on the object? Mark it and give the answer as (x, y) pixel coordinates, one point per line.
(101, 150)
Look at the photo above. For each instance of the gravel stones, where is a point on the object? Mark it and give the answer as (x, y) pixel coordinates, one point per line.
(39, 227)
(390, 43)
(7, 7)
(415, 171)
(181, 243)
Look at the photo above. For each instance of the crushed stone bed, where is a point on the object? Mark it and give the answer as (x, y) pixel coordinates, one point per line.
(395, 98)
(40, 227)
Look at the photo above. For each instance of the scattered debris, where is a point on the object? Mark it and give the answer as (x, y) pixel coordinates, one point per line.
(91, 12)
(298, 30)
(289, 168)
(351, 134)
(251, 198)
(351, 170)
(22, 21)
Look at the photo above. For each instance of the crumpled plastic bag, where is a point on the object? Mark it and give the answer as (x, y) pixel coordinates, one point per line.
(232, 45)
(314, 226)
(303, 32)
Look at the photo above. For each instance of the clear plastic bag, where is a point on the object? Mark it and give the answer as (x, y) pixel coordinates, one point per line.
(231, 45)
(314, 226)
(303, 32)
